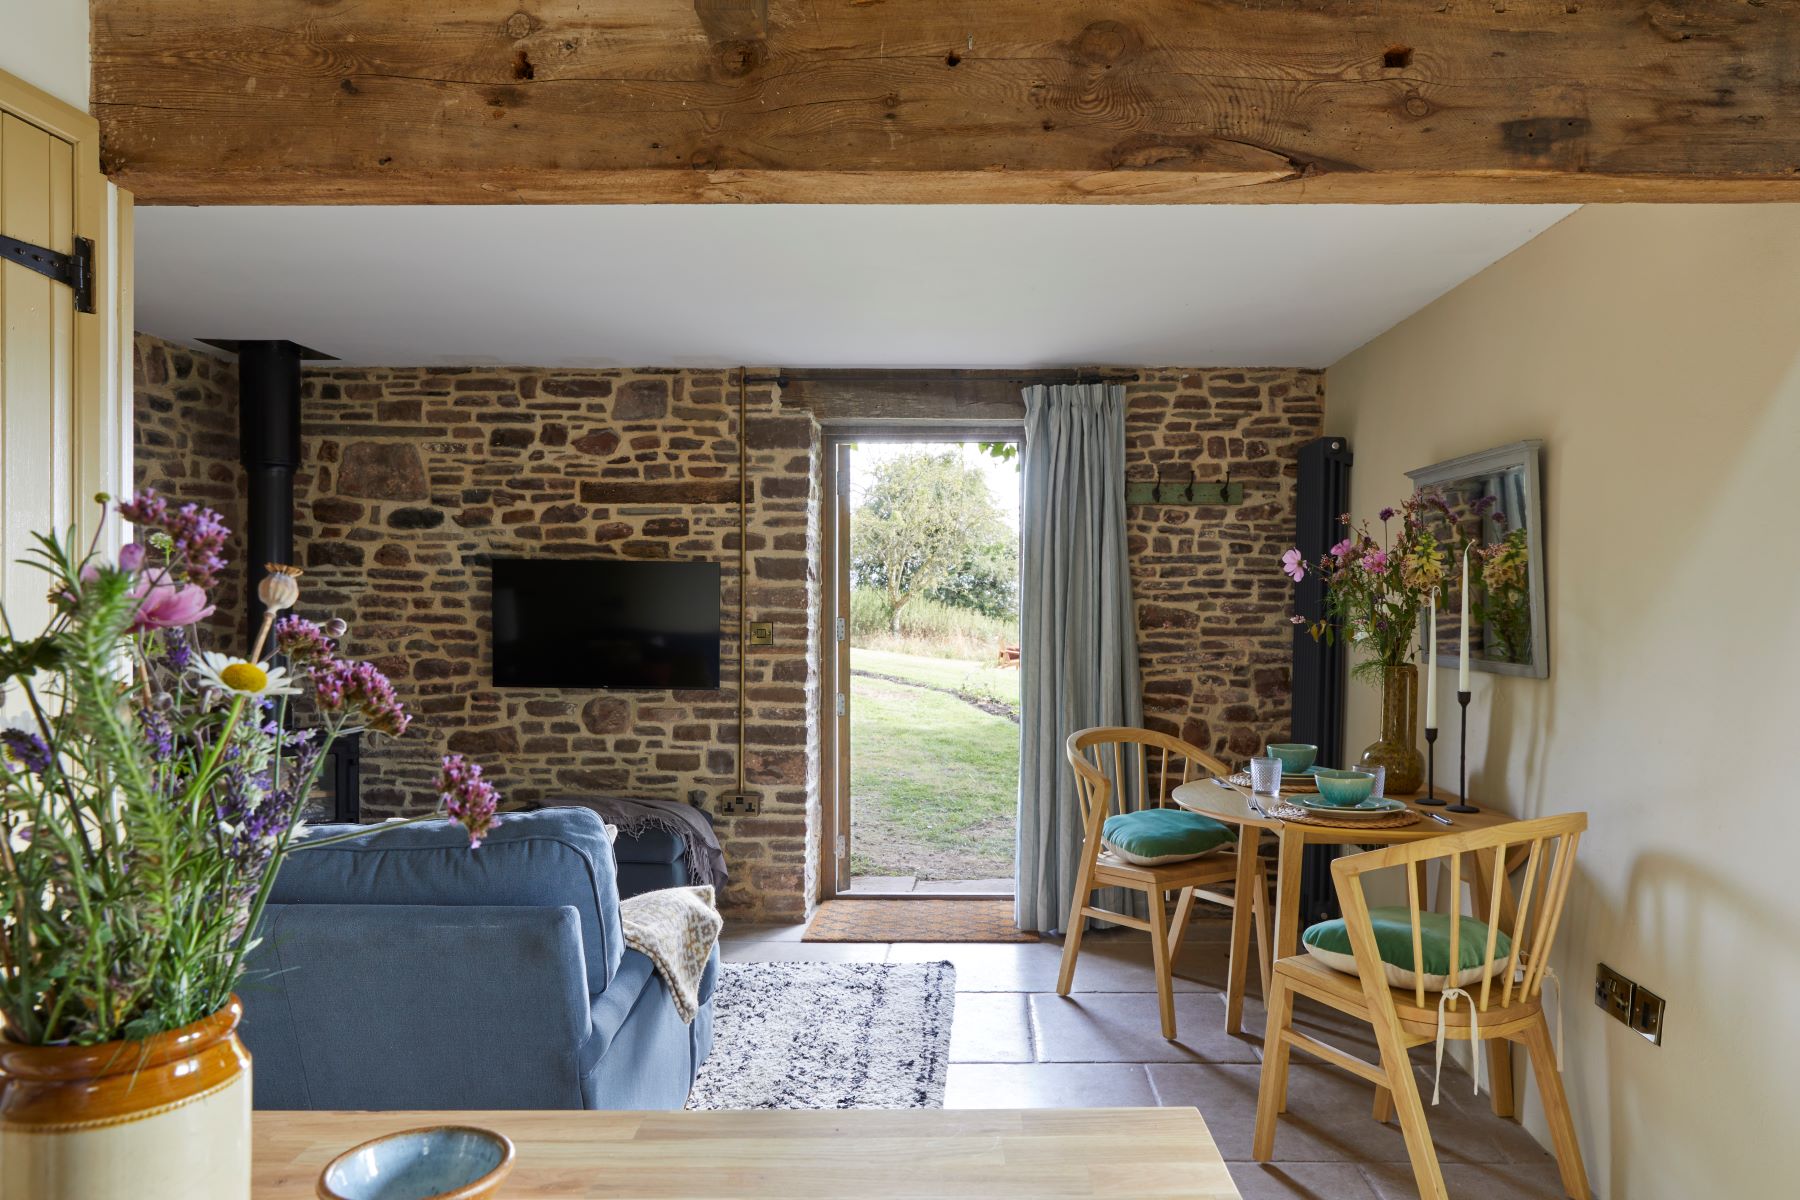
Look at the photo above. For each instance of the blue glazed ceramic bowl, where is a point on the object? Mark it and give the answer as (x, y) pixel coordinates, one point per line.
(444, 1162)
(1344, 789)
(1295, 756)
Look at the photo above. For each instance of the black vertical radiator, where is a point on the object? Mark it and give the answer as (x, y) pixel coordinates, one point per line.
(1321, 497)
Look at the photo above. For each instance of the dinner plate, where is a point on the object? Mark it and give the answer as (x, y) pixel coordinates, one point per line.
(1374, 806)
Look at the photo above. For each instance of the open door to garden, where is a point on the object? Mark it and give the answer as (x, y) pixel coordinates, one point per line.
(925, 669)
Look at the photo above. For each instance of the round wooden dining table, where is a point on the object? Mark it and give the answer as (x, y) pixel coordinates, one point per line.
(1238, 808)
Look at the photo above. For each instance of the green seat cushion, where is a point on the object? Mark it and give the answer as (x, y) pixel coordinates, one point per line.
(1329, 942)
(1155, 836)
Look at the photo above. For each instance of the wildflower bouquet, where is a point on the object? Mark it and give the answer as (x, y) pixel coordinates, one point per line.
(149, 788)
(1376, 586)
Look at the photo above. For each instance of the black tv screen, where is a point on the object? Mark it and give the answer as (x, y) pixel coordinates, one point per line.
(605, 623)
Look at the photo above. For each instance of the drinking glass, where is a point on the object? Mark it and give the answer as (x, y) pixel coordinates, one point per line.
(1265, 776)
(1380, 774)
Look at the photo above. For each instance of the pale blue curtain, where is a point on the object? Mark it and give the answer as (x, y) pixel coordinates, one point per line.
(1077, 628)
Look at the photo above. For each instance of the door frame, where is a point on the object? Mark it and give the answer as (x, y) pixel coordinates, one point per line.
(834, 648)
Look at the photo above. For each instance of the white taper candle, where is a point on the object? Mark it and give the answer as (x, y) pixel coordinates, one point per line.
(1431, 666)
(1462, 666)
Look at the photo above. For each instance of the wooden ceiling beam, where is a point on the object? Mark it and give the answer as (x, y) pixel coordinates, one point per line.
(865, 101)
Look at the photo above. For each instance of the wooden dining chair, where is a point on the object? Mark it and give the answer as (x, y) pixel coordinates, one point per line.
(1122, 770)
(1506, 1003)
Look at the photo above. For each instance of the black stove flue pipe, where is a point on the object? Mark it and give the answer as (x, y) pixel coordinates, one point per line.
(269, 445)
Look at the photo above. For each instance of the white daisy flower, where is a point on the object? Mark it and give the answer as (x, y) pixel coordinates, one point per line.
(241, 677)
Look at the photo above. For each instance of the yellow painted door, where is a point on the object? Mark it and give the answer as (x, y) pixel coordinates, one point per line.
(37, 359)
(60, 436)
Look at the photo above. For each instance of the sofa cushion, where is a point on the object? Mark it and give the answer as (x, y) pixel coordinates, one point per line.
(649, 845)
(543, 859)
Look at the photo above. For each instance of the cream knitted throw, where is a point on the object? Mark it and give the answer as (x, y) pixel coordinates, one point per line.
(675, 929)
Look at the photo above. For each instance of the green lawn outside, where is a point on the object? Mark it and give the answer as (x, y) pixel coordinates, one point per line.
(980, 679)
(934, 780)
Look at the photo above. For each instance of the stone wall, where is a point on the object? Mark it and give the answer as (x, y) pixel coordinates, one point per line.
(185, 445)
(415, 478)
(1214, 641)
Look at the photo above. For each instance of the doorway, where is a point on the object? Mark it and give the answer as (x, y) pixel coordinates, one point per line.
(923, 665)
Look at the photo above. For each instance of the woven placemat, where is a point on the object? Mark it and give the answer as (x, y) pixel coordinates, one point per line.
(1283, 811)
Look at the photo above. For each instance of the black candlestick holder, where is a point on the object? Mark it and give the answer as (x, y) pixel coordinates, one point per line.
(1431, 797)
(1462, 787)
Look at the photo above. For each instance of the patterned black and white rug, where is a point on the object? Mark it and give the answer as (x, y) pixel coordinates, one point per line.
(829, 1035)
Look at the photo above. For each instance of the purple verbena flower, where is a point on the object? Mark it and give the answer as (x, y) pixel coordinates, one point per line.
(1386, 514)
(341, 685)
(197, 534)
(467, 797)
(305, 643)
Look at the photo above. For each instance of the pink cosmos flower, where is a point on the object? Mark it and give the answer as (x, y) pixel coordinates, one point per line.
(165, 604)
(1375, 561)
(1293, 564)
(1341, 551)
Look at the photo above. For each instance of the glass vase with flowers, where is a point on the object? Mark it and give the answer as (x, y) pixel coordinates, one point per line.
(149, 791)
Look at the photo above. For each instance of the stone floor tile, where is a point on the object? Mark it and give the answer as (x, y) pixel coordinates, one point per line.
(990, 966)
(1126, 1027)
(1300, 1181)
(1328, 1117)
(735, 951)
(882, 885)
(1487, 1181)
(1048, 1085)
(761, 931)
(991, 1027)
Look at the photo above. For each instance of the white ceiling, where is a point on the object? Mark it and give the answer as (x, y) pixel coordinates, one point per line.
(814, 286)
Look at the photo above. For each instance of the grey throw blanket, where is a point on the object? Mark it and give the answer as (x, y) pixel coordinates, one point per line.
(705, 861)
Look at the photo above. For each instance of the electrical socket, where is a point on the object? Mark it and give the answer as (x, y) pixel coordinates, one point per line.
(740, 803)
(1631, 1004)
(1647, 1014)
(1612, 992)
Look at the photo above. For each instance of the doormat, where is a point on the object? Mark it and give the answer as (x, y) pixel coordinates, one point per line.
(915, 921)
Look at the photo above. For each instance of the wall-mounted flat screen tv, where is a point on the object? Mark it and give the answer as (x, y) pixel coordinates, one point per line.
(605, 623)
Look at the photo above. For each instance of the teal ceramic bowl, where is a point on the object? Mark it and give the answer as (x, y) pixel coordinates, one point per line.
(1344, 789)
(1295, 757)
(445, 1162)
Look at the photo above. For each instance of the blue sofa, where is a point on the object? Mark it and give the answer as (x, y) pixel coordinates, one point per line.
(403, 970)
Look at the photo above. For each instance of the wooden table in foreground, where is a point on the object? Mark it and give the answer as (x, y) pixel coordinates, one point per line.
(915, 1154)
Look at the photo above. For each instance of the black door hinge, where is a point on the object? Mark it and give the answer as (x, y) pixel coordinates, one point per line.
(75, 269)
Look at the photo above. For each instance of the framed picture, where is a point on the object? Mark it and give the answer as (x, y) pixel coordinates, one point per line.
(1500, 490)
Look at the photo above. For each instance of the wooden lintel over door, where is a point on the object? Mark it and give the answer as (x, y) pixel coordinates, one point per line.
(1147, 101)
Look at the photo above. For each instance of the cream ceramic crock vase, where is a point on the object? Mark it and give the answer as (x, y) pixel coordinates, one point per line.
(167, 1118)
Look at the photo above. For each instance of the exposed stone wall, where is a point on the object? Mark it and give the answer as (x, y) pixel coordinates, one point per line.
(185, 445)
(1214, 642)
(415, 478)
